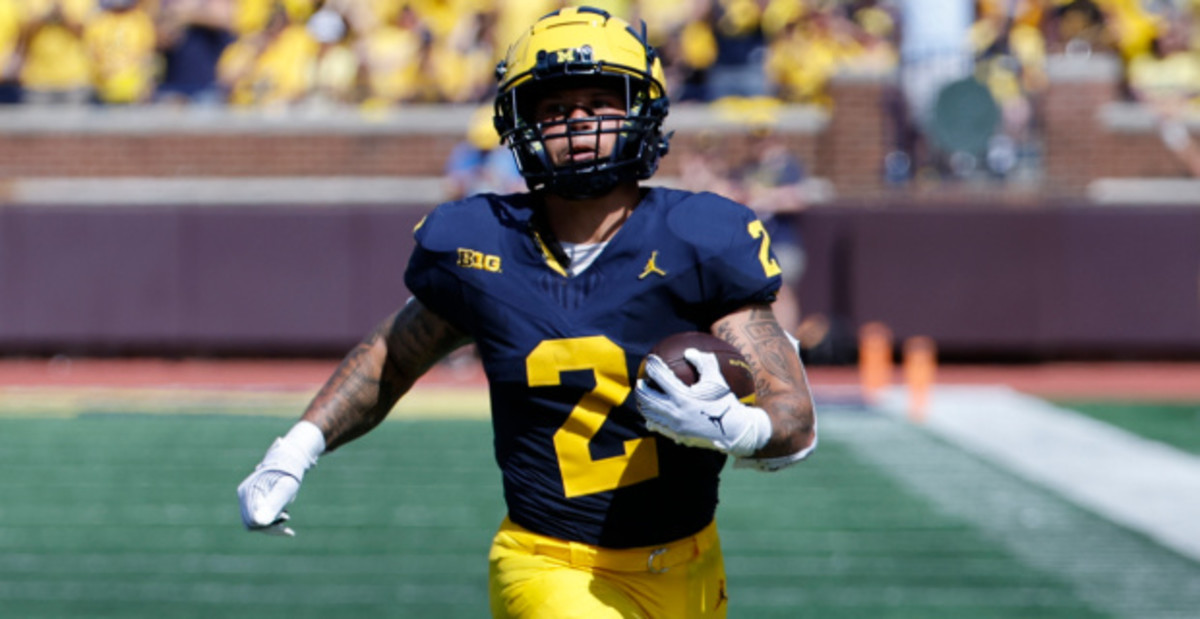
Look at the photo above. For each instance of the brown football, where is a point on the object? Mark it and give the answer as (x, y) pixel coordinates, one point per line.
(734, 367)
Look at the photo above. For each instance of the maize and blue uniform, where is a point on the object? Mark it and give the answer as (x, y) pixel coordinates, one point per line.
(562, 353)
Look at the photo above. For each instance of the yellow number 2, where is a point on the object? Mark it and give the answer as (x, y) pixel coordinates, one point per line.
(770, 267)
(581, 474)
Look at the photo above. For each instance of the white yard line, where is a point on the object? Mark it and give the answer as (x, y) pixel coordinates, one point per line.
(1118, 572)
(1139, 483)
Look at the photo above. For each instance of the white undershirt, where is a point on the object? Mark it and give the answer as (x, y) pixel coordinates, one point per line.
(582, 255)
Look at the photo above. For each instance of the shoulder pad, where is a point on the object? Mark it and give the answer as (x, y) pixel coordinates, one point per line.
(452, 224)
(709, 221)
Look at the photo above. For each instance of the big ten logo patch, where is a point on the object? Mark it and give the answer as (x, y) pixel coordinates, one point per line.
(471, 259)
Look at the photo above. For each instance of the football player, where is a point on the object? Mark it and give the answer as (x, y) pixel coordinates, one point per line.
(610, 479)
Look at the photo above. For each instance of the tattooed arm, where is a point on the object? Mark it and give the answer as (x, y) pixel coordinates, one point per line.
(778, 375)
(380, 369)
(355, 399)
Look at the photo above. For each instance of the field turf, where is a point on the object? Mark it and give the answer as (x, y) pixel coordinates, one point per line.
(135, 515)
(1173, 423)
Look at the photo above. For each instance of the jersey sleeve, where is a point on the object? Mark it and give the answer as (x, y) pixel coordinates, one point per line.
(733, 251)
(430, 275)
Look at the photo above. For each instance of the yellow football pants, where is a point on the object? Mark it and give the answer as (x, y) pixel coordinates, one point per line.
(532, 576)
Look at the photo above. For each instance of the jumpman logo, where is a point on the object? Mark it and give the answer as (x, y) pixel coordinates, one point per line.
(652, 267)
(718, 420)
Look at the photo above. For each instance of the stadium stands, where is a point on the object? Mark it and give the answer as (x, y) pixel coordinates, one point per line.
(329, 142)
(388, 52)
(378, 55)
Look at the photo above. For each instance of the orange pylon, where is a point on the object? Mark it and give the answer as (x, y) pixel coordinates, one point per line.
(920, 371)
(875, 366)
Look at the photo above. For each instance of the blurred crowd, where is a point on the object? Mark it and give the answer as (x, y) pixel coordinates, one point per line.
(1156, 43)
(377, 54)
(383, 52)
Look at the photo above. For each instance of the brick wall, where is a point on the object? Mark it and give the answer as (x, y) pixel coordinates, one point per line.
(1087, 135)
(1074, 141)
(737, 148)
(103, 154)
(1090, 132)
(851, 150)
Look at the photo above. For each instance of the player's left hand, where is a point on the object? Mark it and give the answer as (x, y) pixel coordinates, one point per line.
(706, 414)
(265, 493)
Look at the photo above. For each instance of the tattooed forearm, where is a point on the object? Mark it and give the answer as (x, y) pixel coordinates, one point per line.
(761, 340)
(779, 376)
(355, 399)
(775, 354)
(378, 371)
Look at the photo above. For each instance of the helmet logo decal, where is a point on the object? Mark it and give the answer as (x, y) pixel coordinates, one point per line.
(565, 61)
(579, 54)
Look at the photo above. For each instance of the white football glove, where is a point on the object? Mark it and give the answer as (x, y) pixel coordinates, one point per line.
(276, 480)
(706, 414)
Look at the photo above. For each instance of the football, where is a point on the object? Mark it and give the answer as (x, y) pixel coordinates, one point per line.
(734, 367)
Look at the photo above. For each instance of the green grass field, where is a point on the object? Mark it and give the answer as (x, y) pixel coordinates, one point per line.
(121, 515)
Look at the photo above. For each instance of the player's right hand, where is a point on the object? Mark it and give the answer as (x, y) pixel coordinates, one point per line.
(706, 414)
(273, 485)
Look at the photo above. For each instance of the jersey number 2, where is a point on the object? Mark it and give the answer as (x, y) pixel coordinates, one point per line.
(582, 474)
(758, 231)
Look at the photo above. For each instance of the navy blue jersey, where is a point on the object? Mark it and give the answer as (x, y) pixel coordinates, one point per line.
(561, 353)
